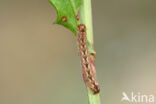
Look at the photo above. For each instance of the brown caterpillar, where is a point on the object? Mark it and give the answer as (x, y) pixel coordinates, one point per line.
(87, 71)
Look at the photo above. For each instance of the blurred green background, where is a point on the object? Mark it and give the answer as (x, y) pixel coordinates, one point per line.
(39, 62)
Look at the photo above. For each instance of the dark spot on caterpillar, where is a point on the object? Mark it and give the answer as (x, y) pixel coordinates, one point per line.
(83, 46)
(86, 58)
(86, 65)
(84, 52)
(90, 77)
(64, 19)
(88, 73)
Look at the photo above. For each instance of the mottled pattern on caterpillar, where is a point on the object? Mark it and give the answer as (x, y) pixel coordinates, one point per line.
(87, 71)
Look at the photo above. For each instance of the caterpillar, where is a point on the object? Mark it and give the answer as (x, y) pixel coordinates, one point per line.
(87, 71)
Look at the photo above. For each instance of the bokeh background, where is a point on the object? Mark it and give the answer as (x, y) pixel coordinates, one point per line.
(39, 62)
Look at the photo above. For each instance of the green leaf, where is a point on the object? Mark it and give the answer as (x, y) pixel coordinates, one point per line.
(66, 13)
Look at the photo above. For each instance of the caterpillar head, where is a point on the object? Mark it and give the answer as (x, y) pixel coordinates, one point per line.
(82, 28)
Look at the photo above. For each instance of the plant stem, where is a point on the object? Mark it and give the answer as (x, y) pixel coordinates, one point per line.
(86, 18)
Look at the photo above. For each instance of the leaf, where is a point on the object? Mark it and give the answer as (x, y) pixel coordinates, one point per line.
(66, 13)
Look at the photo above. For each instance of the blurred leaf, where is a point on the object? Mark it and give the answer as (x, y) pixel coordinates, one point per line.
(66, 13)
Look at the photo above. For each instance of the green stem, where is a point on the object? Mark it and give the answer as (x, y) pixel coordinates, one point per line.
(86, 18)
